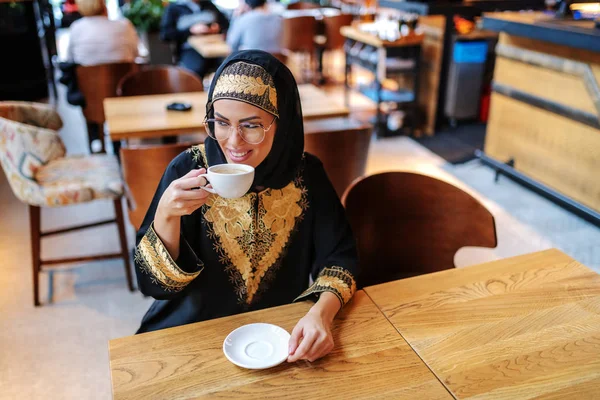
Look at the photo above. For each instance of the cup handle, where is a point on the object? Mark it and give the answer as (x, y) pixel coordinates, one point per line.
(209, 190)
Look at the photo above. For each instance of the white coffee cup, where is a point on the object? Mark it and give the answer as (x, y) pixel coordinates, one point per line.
(229, 180)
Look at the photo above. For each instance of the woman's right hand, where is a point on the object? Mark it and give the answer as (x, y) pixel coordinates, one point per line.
(179, 199)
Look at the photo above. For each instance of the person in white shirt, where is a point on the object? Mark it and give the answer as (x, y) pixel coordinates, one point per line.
(94, 39)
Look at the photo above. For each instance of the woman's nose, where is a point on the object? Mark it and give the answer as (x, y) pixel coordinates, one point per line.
(235, 140)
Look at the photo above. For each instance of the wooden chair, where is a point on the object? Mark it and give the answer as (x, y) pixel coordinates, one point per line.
(408, 224)
(302, 5)
(331, 39)
(298, 37)
(162, 79)
(41, 175)
(95, 84)
(142, 168)
(342, 145)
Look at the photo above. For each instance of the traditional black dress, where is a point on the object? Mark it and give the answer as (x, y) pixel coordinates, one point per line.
(257, 251)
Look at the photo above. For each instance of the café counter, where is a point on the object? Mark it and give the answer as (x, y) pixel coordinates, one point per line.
(544, 127)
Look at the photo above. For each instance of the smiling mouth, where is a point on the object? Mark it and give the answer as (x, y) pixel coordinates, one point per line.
(239, 155)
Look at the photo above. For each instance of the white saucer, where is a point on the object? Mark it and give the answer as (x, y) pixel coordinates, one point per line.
(257, 346)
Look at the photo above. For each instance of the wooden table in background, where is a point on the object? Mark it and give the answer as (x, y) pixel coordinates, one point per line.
(370, 360)
(210, 46)
(515, 328)
(147, 116)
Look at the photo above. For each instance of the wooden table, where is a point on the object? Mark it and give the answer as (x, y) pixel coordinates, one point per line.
(210, 46)
(147, 116)
(370, 360)
(516, 328)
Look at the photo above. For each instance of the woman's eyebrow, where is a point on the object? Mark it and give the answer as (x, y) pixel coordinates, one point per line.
(249, 118)
(221, 116)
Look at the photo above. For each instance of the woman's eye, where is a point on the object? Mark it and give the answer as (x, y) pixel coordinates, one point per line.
(251, 126)
(221, 123)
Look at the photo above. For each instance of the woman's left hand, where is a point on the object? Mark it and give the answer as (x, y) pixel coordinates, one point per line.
(311, 338)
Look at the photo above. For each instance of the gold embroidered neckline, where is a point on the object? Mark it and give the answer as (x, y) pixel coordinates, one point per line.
(251, 233)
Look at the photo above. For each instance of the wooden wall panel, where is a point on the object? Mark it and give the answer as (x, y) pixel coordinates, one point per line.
(554, 150)
(555, 86)
(550, 48)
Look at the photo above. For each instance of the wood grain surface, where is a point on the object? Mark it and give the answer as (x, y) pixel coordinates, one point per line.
(521, 327)
(355, 33)
(147, 116)
(210, 46)
(557, 151)
(370, 361)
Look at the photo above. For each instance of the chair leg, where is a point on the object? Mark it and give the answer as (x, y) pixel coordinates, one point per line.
(123, 240)
(36, 240)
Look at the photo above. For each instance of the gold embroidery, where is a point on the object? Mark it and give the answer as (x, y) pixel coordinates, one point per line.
(246, 82)
(251, 232)
(336, 280)
(154, 259)
(198, 151)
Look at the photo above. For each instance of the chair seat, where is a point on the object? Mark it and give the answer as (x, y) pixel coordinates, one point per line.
(80, 179)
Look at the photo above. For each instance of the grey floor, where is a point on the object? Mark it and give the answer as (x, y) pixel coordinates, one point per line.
(59, 350)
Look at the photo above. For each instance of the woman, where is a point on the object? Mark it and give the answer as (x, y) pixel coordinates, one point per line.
(257, 28)
(205, 257)
(94, 39)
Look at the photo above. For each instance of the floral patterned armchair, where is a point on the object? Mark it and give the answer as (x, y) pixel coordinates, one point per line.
(41, 175)
(33, 158)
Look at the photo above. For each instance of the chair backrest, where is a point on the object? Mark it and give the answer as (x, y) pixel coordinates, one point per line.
(408, 224)
(142, 169)
(281, 57)
(302, 5)
(342, 145)
(298, 34)
(335, 40)
(28, 140)
(98, 82)
(162, 79)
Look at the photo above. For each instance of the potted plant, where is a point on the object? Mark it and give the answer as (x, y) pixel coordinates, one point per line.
(145, 15)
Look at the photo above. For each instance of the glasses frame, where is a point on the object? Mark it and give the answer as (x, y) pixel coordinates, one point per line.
(237, 128)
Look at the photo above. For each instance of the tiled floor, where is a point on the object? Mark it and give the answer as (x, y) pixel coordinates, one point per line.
(59, 351)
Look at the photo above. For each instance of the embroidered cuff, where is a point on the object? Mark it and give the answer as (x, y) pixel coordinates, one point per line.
(336, 280)
(153, 258)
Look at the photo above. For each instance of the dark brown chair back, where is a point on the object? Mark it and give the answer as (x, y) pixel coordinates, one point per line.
(335, 40)
(408, 224)
(281, 57)
(163, 79)
(302, 5)
(298, 34)
(99, 82)
(142, 169)
(342, 145)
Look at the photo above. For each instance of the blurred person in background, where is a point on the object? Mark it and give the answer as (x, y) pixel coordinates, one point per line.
(255, 28)
(184, 18)
(94, 39)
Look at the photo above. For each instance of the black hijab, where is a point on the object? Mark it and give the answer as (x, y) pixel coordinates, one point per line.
(282, 162)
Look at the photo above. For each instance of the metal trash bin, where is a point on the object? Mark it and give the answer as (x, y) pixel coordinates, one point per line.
(465, 79)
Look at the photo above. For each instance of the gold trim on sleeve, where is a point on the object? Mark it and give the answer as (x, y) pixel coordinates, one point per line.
(336, 280)
(154, 259)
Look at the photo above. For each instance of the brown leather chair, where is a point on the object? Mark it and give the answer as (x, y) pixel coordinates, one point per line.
(342, 145)
(142, 169)
(302, 5)
(163, 79)
(298, 37)
(408, 224)
(97, 83)
(331, 39)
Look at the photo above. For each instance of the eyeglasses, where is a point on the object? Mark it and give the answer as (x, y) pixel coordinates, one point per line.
(251, 132)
